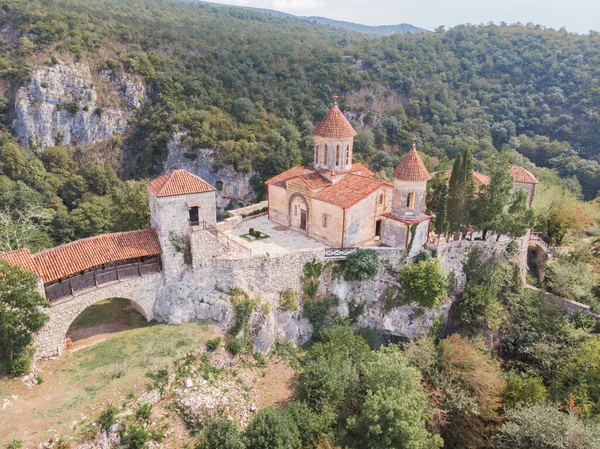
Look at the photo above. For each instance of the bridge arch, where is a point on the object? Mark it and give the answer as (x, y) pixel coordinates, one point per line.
(141, 292)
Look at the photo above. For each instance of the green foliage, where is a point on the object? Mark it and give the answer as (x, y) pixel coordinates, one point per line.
(311, 271)
(144, 412)
(21, 309)
(288, 299)
(272, 428)
(14, 444)
(424, 282)
(316, 311)
(220, 433)
(159, 378)
(136, 437)
(570, 276)
(521, 389)
(213, 344)
(244, 306)
(580, 377)
(235, 345)
(107, 417)
(543, 426)
(361, 265)
(182, 244)
(21, 364)
(518, 219)
(393, 412)
(131, 209)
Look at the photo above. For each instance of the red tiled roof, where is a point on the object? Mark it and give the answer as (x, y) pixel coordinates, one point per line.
(334, 125)
(522, 175)
(70, 258)
(349, 190)
(293, 172)
(411, 168)
(20, 257)
(480, 178)
(315, 181)
(179, 182)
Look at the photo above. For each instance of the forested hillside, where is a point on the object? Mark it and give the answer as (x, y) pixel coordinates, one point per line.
(250, 86)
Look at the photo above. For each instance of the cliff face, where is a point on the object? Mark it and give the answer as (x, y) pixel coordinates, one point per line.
(67, 105)
(231, 186)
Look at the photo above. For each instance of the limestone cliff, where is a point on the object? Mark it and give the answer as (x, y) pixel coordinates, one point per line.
(233, 188)
(68, 104)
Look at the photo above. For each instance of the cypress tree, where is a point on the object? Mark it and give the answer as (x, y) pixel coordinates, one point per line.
(454, 207)
(468, 192)
(492, 199)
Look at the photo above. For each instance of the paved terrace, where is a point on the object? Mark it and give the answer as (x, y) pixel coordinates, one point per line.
(279, 241)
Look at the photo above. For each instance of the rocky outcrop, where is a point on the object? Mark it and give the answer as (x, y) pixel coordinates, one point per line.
(67, 105)
(232, 187)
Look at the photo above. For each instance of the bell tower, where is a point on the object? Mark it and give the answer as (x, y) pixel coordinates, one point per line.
(410, 186)
(334, 139)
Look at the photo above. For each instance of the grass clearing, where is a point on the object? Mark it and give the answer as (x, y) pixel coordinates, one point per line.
(79, 385)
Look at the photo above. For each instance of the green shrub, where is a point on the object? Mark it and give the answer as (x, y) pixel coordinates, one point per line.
(144, 412)
(288, 299)
(316, 311)
(520, 389)
(72, 107)
(361, 265)
(220, 433)
(370, 336)
(261, 360)
(244, 306)
(272, 428)
(251, 231)
(107, 417)
(425, 254)
(213, 344)
(136, 437)
(235, 345)
(159, 378)
(14, 444)
(21, 364)
(424, 282)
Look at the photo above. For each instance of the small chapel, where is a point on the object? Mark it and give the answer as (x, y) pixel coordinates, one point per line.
(342, 204)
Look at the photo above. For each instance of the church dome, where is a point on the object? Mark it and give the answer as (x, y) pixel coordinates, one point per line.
(334, 125)
(411, 168)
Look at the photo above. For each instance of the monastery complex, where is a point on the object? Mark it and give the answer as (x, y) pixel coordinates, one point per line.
(174, 270)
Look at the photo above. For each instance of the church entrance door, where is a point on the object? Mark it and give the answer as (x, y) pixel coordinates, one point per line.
(303, 220)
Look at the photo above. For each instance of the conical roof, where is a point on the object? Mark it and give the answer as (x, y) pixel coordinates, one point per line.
(411, 168)
(334, 125)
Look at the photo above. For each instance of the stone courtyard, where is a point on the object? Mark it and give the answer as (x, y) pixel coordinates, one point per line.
(281, 240)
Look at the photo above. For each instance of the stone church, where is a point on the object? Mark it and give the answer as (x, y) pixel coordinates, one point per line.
(342, 204)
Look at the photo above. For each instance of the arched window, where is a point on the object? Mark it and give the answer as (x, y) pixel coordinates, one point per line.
(348, 155)
(316, 154)
(381, 198)
(410, 201)
(324, 220)
(295, 209)
(325, 156)
(337, 156)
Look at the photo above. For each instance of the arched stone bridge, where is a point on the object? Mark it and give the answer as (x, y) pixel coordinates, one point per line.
(141, 291)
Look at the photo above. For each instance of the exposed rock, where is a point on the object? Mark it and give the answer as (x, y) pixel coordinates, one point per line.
(235, 186)
(60, 106)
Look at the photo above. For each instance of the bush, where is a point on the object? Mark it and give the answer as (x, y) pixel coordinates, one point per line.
(424, 282)
(370, 336)
(21, 364)
(520, 389)
(220, 433)
(144, 412)
(251, 231)
(107, 417)
(288, 299)
(136, 437)
(213, 344)
(244, 306)
(235, 345)
(316, 311)
(361, 265)
(14, 444)
(272, 428)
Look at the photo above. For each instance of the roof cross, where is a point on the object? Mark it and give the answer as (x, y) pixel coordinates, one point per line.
(335, 99)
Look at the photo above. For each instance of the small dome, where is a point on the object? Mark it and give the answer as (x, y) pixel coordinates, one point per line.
(411, 168)
(334, 125)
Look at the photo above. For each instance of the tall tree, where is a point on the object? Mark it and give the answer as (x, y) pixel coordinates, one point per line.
(492, 199)
(517, 220)
(468, 185)
(21, 314)
(455, 196)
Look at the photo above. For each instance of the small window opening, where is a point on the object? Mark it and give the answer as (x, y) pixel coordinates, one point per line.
(337, 156)
(324, 220)
(410, 201)
(381, 199)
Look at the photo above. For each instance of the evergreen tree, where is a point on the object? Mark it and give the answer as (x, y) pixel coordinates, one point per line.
(437, 202)
(492, 199)
(454, 204)
(518, 219)
(468, 193)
